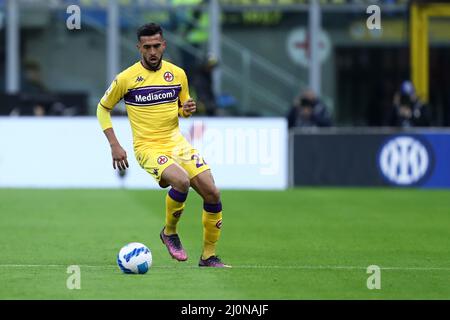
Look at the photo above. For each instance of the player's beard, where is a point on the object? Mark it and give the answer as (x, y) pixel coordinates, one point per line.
(153, 66)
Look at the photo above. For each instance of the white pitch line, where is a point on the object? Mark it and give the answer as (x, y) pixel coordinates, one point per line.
(299, 267)
(344, 268)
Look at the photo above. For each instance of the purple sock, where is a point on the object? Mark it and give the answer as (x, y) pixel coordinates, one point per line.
(177, 195)
(212, 207)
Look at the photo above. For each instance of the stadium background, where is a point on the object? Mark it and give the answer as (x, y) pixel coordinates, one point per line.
(61, 203)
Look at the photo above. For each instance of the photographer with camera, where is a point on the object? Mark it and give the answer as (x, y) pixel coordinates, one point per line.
(408, 110)
(308, 111)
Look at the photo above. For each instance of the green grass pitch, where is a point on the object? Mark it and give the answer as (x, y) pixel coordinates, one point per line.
(307, 243)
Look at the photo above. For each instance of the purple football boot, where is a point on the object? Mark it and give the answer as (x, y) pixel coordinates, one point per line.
(213, 261)
(174, 246)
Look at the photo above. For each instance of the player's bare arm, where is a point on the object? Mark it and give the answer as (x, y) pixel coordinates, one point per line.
(119, 155)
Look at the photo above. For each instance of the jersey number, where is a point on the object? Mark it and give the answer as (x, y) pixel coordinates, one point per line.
(198, 161)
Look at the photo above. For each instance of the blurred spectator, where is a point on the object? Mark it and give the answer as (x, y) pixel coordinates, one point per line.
(32, 79)
(308, 111)
(202, 80)
(35, 99)
(193, 25)
(33, 96)
(408, 110)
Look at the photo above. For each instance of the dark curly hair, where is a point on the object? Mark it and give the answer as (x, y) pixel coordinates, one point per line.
(149, 29)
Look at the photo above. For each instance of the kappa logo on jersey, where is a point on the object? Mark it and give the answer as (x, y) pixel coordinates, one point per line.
(139, 79)
(162, 159)
(168, 76)
(219, 224)
(155, 172)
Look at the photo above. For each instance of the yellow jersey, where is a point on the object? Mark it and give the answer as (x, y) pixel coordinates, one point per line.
(153, 102)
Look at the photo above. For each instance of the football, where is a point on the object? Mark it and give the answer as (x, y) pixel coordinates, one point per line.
(134, 257)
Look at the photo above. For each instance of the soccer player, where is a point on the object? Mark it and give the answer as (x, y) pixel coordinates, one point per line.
(156, 93)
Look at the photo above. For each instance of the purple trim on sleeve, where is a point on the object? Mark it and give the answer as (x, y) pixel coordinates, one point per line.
(213, 208)
(109, 109)
(177, 195)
